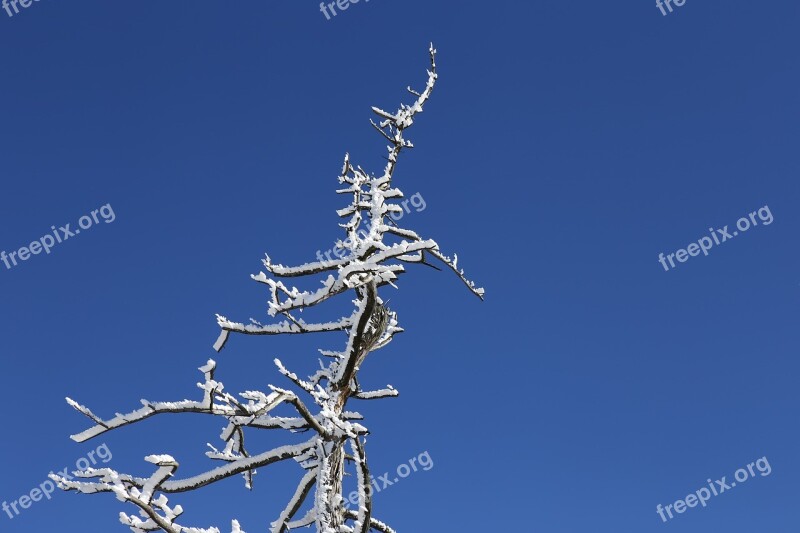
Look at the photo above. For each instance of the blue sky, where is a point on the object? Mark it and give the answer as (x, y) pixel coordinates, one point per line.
(566, 146)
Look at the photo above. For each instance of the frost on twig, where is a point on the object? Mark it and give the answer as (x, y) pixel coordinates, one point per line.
(375, 252)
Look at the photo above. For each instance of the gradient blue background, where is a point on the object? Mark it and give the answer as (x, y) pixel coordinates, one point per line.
(566, 145)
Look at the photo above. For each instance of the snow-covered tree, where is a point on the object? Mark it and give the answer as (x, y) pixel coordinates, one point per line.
(375, 252)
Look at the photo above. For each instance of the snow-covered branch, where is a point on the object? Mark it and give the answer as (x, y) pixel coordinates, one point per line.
(283, 523)
(362, 522)
(374, 254)
(158, 514)
(215, 402)
(284, 327)
(375, 524)
(389, 392)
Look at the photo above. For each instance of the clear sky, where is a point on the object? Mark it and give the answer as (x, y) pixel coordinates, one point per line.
(566, 146)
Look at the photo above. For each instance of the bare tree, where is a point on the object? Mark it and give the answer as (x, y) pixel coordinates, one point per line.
(374, 254)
